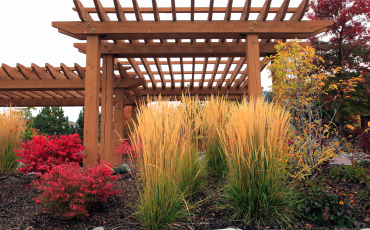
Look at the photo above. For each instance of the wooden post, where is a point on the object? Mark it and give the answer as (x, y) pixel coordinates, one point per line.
(106, 133)
(118, 134)
(253, 66)
(92, 84)
(133, 117)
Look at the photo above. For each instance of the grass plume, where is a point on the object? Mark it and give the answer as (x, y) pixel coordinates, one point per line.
(253, 141)
(11, 127)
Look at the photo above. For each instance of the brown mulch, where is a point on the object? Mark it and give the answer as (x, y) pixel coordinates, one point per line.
(18, 210)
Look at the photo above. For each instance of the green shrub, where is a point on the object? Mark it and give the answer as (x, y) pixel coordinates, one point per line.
(120, 170)
(327, 208)
(353, 173)
(215, 160)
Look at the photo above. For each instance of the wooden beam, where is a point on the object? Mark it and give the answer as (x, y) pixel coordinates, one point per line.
(160, 72)
(210, 82)
(182, 49)
(192, 73)
(171, 72)
(106, 132)
(41, 102)
(173, 10)
(203, 73)
(182, 73)
(62, 84)
(68, 72)
(149, 10)
(92, 85)
(264, 11)
(235, 72)
(196, 29)
(301, 10)
(205, 91)
(253, 66)
(220, 82)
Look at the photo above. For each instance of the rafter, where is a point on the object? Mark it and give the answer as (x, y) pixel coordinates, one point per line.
(205, 91)
(203, 73)
(160, 72)
(149, 10)
(210, 83)
(225, 72)
(171, 73)
(182, 73)
(236, 71)
(192, 73)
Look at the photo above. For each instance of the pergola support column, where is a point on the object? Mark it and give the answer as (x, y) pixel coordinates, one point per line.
(133, 118)
(92, 84)
(253, 66)
(106, 133)
(118, 134)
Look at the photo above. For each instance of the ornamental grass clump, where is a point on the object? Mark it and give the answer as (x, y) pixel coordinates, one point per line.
(11, 129)
(253, 141)
(215, 113)
(168, 160)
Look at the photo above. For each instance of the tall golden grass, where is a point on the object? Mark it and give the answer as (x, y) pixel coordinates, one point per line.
(243, 142)
(253, 141)
(169, 166)
(11, 128)
(216, 111)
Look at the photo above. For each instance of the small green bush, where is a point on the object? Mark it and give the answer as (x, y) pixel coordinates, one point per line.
(326, 208)
(353, 173)
(120, 170)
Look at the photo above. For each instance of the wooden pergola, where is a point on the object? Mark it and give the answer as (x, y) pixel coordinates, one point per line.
(145, 57)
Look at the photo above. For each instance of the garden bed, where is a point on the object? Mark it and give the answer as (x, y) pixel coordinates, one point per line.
(18, 210)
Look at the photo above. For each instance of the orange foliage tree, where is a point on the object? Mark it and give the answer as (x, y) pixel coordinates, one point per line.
(299, 84)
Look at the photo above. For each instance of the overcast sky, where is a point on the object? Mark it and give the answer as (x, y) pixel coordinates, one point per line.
(28, 37)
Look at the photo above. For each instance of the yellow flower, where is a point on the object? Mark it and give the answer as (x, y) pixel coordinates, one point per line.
(341, 203)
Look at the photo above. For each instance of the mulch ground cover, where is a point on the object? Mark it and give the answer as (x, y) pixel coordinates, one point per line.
(18, 210)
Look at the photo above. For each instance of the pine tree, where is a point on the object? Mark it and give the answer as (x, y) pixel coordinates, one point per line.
(80, 123)
(51, 121)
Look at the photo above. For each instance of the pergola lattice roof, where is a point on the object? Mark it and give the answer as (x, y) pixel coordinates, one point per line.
(157, 55)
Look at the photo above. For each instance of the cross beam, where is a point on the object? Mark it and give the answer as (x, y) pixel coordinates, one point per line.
(200, 49)
(62, 84)
(40, 102)
(235, 29)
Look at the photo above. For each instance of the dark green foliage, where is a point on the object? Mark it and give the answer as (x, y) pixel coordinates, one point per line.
(80, 123)
(365, 193)
(51, 121)
(353, 173)
(215, 160)
(326, 208)
(120, 170)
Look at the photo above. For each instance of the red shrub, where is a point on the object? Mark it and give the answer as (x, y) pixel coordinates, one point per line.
(67, 190)
(362, 137)
(128, 152)
(42, 153)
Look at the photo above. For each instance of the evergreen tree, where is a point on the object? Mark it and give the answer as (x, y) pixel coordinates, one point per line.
(80, 123)
(51, 121)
